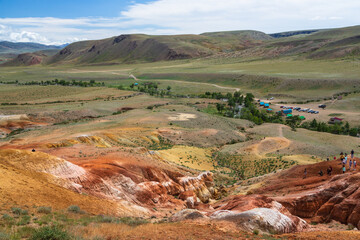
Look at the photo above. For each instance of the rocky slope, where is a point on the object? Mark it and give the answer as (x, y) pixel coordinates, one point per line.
(319, 198)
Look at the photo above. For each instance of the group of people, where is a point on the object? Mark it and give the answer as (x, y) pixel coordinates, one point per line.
(345, 159)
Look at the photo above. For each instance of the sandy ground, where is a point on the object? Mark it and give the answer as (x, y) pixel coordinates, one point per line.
(182, 117)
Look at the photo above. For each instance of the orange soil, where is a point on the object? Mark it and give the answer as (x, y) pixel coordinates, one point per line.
(26, 189)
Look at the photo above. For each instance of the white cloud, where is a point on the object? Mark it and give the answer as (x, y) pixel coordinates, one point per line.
(197, 16)
(187, 16)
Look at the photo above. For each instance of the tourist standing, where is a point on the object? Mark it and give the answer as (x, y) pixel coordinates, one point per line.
(354, 164)
(350, 163)
(345, 159)
(352, 154)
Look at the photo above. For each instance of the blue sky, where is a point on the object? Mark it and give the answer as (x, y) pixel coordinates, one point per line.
(63, 9)
(58, 22)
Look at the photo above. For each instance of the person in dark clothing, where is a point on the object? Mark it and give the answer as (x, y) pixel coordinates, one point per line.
(352, 154)
(329, 170)
(305, 173)
(33, 150)
(321, 173)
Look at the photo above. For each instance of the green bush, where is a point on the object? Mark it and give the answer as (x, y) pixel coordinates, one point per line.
(7, 217)
(256, 232)
(74, 209)
(45, 210)
(105, 219)
(16, 210)
(24, 220)
(4, 236)
(19, 211)
(50, 233)
(132, 221)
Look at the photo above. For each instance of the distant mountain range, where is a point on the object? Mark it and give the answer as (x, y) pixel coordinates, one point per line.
(25, 47)
(132, 48)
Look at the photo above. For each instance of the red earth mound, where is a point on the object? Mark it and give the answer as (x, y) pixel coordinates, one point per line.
(321, 198)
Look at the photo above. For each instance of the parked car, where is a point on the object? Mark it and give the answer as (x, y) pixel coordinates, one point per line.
(323, 106)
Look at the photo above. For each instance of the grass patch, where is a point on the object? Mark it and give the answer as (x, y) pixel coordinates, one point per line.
(50, 232)
(335, 114)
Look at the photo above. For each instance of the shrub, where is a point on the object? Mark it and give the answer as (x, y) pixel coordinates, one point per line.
(19, 211)
(256, 232)
(24, 220)
(350, 226)
(74, 209)
(105, 219)
(50, 232)
(7, 217)
(132, 221)
(45, 210)
(4, 236)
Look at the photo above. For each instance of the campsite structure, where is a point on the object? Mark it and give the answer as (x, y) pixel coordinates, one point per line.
(334, 120)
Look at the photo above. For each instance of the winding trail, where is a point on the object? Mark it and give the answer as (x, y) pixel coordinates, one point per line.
(179, 81)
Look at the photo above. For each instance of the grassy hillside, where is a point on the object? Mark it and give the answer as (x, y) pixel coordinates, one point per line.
(145, 48)
(240, 45)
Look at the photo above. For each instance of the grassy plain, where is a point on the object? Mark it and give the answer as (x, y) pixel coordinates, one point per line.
(297, 78)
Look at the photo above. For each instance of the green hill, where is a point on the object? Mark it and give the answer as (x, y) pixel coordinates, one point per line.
(146, 48)
(244, 45)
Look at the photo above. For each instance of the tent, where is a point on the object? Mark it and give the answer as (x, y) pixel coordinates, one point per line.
(287, 111)
(269, 110)
(302, 118)
(136, 84)
(266, 105)
(289, 115)
(262, 103)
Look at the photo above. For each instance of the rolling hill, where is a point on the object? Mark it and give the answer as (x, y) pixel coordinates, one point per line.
(242, 45)
(323, 44)
(145, 48)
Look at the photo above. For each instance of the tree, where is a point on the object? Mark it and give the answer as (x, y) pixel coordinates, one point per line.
(293, 122)
(347, 128)
(168, 88)
(220, 107)
(237, 94)
(313, 124)
(353, 132)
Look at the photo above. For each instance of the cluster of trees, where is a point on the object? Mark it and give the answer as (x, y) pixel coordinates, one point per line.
(242, 106)
(337, 128)
(91, 83)
(151, 88)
